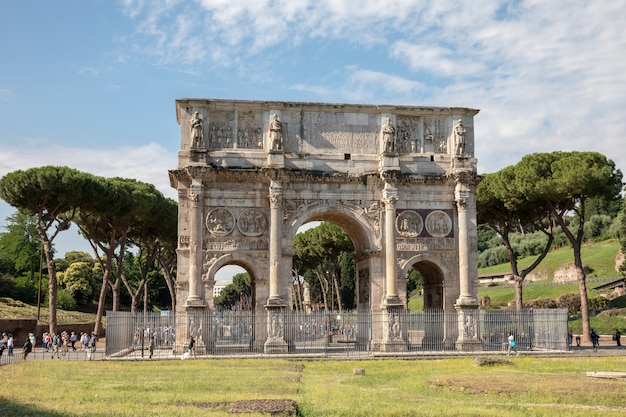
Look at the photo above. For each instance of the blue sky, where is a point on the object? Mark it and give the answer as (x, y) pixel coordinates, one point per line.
(91, 84)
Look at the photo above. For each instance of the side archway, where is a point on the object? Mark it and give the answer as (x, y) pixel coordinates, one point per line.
(433, 275)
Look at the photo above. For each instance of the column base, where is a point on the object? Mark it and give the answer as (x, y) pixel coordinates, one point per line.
(393, 346)
(275, 346)
(469, 346)
(393, 301)
(466, 300)
(195, 303)
(274, 302)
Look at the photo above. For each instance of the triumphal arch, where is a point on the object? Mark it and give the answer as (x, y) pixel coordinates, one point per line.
(400, 180)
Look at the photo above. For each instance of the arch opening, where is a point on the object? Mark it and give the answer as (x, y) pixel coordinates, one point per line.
(432, 284)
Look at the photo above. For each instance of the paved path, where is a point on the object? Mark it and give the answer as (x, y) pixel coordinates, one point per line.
(607, 348)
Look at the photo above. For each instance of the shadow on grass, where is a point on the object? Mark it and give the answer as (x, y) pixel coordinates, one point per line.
(10, 408)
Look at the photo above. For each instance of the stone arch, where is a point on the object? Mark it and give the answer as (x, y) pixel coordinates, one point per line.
(365, 239)
(355, 224)
(244, 261)
(433, 273)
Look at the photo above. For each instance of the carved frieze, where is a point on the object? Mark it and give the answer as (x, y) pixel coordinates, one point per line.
(252, 222)
(435, 135)
(221, 131)
(438, 223)
(408, 140)
(230, 244)
(220, 222)
(249, 133)
(409, 224)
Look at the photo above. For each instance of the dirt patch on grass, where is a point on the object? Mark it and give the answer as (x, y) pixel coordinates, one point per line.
(273, 407)
(549, 387)
(482, 361)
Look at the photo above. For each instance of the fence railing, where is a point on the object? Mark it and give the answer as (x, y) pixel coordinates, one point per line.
(326, 333)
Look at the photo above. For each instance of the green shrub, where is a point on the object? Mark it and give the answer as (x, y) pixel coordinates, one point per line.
(493, 256)
(541, 303)
(570, 301)
(65, 300)
(598, 303)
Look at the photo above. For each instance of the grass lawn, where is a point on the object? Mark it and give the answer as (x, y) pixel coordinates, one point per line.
(599, 256)
(451, 387)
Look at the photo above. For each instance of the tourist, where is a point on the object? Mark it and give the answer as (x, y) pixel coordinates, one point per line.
(56, 341)
(570, 337)
(512, 345)
(151, 347)
(73, 339)
(85, 341)
(192, 346)
(10, 345)
(64, 344)
(617, 336)
(3, 343)
(595, 340)
(28, 347)
(92, 341)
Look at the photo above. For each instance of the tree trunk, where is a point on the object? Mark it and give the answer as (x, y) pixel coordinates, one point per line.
(576, 242)
(52, 276)
(336, 285)
(170, 281)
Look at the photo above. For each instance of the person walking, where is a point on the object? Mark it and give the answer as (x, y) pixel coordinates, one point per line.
(512, 345)
(192, 346)
(28, 347)
(10, 343)
(617, 336)
(73, 339)
(3, 343)
(151, 347)
(595, 339)
(55, 346)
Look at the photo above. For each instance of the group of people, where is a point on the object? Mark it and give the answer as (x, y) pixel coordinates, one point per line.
(6, 343)
(595, 338)
(58, 344)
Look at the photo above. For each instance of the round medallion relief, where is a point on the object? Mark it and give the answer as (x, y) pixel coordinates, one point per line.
(409, 224)
(220, 222)
(252, 222)
(438, 224)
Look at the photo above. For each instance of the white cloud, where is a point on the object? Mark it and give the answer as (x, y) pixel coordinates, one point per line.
(148, 163)
(546, 75)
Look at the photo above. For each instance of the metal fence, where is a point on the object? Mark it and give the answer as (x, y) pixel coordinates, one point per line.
(428, 332)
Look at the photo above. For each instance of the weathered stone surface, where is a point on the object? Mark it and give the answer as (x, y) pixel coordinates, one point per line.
(400, 181)
(568, 273)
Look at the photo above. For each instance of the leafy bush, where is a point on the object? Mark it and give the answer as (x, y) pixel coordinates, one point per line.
(493, 256)
(570, 301)
(532, 245)
(598, 227)
(65, 301)
(541, 303)
(598, 303)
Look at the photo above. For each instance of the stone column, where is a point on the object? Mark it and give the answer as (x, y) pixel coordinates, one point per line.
(390, 196)
(275, 306)
(275, 242)
(466, 305)
(461, 197)
(194, 297)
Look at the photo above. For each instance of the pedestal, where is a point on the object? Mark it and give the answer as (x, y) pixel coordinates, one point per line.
(275, 343)
(276, 159)
(468, 321)
(390, 162)
(394, 329)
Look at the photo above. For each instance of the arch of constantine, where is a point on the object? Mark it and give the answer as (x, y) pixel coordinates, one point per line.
(399, 180)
